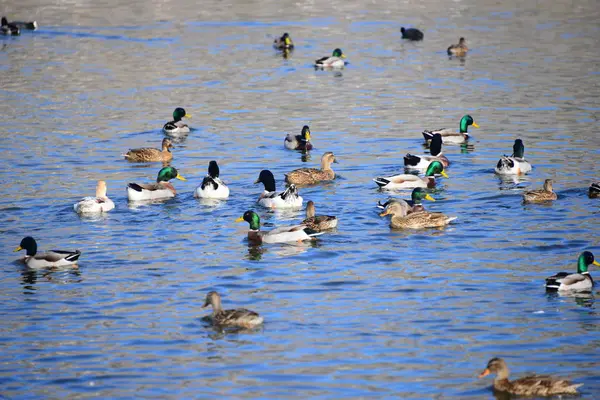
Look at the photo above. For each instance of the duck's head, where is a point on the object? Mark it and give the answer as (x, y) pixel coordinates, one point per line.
(548, 185)
(585, 259)
(395, 208)
(518, 149)
(168, 173)
(28, 243)
(180, 113)
(252, 218)
(101, 189)
(461, 41)
(4, 21)
(328, 158)
(338, 53)
(266, 178)
(305, 133)
(310, 209)
(495, 366)
(402, 30)
(436, 168)
(287, 39)
(435, 147)
(466, 121)
(213, 299)
(167, 144)
(419, 194)
(213, 169)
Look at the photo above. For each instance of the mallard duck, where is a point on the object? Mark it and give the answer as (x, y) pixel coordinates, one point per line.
(289, 198)
(284, 234)
(212, 187)
(515, 164)
(148, 154)
(581, 281)
(162, 189)
(335, 61)
(460, 49)
(52, 258)
(411, 34)
(594, 191)
(9, 29)
(410, 181)
(318, 223)
(239, 317)
(534, 385)
(412, 205)
(421, 162)
(544, 194)
(32, 26)
(284, 42)
(177, 126)
(309, 176)
(299, 142)
(414, 220)
(100, 203)
(450, 136)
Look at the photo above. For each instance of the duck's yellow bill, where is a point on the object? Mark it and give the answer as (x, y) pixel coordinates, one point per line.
(475, 125)
(19, 248)
(190, 116)
(595, 262)
(287, 41)
(444, 174)
(307, 135)
(485, 372)
(240, 219)
(343, 55)
(428, 197)
(181, 178)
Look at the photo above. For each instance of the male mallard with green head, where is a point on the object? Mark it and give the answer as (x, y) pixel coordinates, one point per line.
(579, 282)
(52, 258)
(421, 162)
(299, 142)
(516, 163)
(534, 385)
(450, 136)
(162, 189)
(177, 126)
(289, 198)
(335, 61)
(284, 42)
(409, 181)
(285, 234)
(212, 187)
(309, 176)
(240, 317)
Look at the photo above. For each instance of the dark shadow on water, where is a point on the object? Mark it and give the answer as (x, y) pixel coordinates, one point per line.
(582, 299)
(61, 275)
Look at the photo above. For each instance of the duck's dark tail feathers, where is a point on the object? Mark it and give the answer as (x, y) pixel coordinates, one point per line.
(381, 181)
(312, 232)
(209, 181)
(411, 161)
(552, 283)
(135, 187)
(595, 190)
(428, 135)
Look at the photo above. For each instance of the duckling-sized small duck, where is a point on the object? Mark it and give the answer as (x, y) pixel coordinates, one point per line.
(52, 258)
(421, 162)
(93, 205)
(335, 61)
(310, 176)
(540, 195)
(410, 181)
(240, 317)
(32, 26)
(284, 42)
(296, 233)
(450, 136)
(162, 189)
(534, 385)
(318, 223)
(413, 220)
(516, 163)
(149, 154)
(9, 29)
(580, 282)
(460, 49)
(177, 126)
(299, 142)
(411, 34)
(289, 198)
(212, 186)
(594, 191)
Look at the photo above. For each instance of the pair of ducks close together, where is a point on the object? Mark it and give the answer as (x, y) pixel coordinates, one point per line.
(458, 50)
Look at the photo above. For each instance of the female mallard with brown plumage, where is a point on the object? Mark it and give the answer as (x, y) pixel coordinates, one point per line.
(318, 223)
(239, 317)
(412, 205)
(421, 162)
(149, 154)
(309, 176)
(414, 220)
(540, 195)
(460, 49)
(533, 385)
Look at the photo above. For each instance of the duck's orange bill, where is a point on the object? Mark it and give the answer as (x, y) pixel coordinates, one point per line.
(485, 372)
